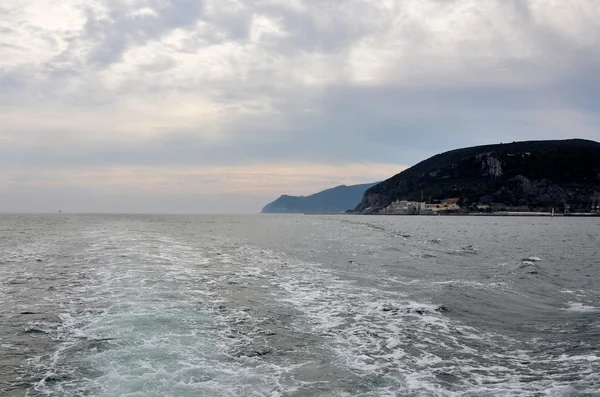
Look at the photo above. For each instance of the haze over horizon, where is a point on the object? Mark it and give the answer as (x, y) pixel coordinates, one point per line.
(221, 105)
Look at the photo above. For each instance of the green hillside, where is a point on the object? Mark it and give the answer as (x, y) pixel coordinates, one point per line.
(532, 175)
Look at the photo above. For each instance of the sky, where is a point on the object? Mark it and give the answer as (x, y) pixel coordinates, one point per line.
(220, 106)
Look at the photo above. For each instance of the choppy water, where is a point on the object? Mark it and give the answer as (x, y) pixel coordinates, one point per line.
(299, 306)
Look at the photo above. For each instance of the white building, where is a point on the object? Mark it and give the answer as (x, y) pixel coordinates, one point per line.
(404, 207)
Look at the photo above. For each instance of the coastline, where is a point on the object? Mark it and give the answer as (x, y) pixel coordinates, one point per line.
(499, 213)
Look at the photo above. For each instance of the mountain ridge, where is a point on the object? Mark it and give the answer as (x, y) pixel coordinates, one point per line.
(337, 199)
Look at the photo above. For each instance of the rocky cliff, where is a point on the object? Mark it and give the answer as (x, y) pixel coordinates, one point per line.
(528, 176)
(335, 200)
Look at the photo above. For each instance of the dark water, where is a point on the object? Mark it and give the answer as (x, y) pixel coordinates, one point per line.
(299, 306)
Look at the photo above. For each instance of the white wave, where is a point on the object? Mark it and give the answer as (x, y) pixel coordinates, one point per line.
(590, 357)
(532, 259)
(580, 307)
(145, 323)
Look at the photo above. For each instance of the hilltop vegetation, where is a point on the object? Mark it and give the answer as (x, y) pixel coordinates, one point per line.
(528, 176)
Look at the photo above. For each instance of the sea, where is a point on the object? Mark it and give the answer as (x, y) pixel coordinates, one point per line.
(299, 305)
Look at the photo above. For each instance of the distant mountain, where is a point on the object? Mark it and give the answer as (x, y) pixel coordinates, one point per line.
(528, 176)
(337, 199)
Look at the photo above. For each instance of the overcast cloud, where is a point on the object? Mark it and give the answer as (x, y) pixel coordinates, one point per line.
(223, 105)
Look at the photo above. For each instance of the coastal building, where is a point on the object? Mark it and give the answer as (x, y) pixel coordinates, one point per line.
(449, 204)
(404, 207)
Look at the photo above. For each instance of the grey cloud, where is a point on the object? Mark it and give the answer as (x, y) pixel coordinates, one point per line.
(340, 25)
(327, 26)
(395, 124)
(112, 36)
(580, 84)
(160, 64)
(11, 81)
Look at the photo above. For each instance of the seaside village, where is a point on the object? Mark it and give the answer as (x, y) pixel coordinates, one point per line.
(450, 205)
(403, 207)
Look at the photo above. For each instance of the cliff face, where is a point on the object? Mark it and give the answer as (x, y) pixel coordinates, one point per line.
(336, 200)
(533, 175)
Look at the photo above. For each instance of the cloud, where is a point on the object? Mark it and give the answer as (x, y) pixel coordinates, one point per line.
(186, 84)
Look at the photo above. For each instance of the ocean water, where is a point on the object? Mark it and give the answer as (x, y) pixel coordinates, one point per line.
(143, 305)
